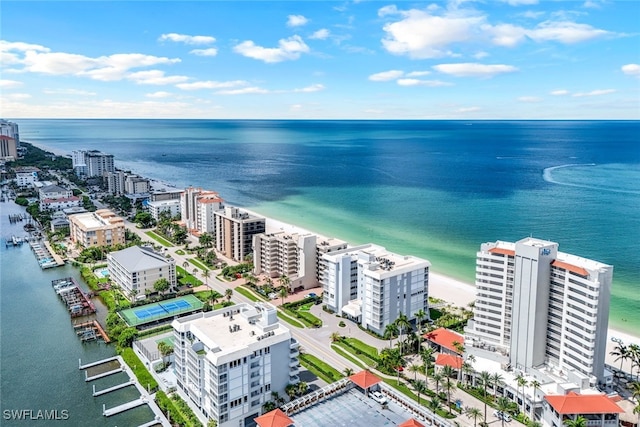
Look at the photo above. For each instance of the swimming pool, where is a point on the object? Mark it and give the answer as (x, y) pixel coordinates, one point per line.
(102, 272)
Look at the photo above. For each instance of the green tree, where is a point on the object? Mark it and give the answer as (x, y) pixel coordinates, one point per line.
(522, 382)
(434, 404)
(503, 404)
(348, 372)
(127, 336)
(536, 385)
(415, 369)
(390, 331)
(283, 292)
(205, 240)
(206, 273)
(437, 378)
(161, 285)
(621, 353)
(420, 387)
(485, 381)
(426, 354)
(403, 324)
(144, 219)
(473, 413)
(303, 387)
(496, 380)
(165, 349)
(448, 372)
(335, 337)
(579, 421)
(285, 281)
(291, 391)
(228, 293)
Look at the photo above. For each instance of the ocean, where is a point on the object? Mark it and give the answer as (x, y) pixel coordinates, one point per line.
(433, 189)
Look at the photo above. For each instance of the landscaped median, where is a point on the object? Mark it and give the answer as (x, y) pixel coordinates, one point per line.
(319, 368)
(164, 242)
(300, 311)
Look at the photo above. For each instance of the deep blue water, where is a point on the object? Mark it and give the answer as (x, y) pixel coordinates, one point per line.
(435, 189)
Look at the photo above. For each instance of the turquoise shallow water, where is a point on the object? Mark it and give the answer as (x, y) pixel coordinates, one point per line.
(435, 189)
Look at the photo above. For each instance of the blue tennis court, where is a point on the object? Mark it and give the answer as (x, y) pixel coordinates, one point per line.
(160, 310)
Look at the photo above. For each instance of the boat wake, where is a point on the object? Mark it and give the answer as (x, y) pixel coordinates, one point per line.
(606, 177)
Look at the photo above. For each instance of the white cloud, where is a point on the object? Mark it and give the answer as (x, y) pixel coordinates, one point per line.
(296, 20)
(57, 63)
(474, 69)
(155, 77)
(210, 84)
(507, 35)
(529, 99)
(159, 94)
(597, 92)
(9, 84)
(467, 109)
(418, 82)
(421, 35)
(591, 4)
(244, 91)
(532, 14)
(386, 76)
(74, 92)
(418, 73)
(480, 55)
(17, 96)
(184, 38)
(312, 88)
(388, 10)
(520, 2)
(321, 34)
(212, 51)
(288, 49)
(6, 46)
(631, 69)
(559, 92)
(565, 32)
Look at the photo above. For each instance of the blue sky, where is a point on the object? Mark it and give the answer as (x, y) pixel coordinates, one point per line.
(492, 59)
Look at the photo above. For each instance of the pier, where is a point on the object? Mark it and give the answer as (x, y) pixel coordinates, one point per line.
(78, 303)
(88, 331)
(46, 257)
(104, 368)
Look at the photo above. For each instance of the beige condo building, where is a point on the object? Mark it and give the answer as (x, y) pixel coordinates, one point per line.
(99, 228)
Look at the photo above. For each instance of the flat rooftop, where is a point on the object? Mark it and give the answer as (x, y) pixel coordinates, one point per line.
(352, 408)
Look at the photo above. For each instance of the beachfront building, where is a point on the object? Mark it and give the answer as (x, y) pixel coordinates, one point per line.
(283, 254)
(197, 208)
(9, 140)
(26, 176)
(541, 315)
(234, 231)
(136, 269)
(99, 228)
(134, 184)
(92, 163)
(115, 182)
(326, 246)
(159, 194)
(372, 286)
(10, 129)
(229, 361)
(598, 409)
(157, 207)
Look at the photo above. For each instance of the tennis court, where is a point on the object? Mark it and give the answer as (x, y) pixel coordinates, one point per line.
(161, 310)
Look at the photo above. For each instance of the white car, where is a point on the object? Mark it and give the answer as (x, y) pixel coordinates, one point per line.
(378, 397)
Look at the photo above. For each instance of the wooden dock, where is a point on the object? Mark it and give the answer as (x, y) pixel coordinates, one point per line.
(90, 331)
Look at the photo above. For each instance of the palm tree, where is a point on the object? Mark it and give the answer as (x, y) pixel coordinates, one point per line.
(621, 352)
(503, 404)
(496, 379)
(636, 410)
(536, 385)
(635, 390)
(415, 369)
(335, 337)
(285, 281)
(634, 355)
(302, 387)
(403, 324)
(473, 413)
(579, 421)
(206, 274)
(291, 391)
(437, 378)
(467, 371)
(434, 404)
(347, 372)
(277, 398)
(390, 331)
(420, 387)
(420, 316)
(522, 382)
(427, 359)
(284, 292)
(185, 264)
(448, 372)
(228, 293)
(485, 380)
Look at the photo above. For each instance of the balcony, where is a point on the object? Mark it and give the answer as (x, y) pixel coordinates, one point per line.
(294, 370)
(294, 363)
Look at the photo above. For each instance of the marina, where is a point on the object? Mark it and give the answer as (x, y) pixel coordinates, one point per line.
(46, 257)
(89, 331)
(114, 365)
(78, 303)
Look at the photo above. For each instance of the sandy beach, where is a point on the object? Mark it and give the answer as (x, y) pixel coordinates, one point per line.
(454, 291)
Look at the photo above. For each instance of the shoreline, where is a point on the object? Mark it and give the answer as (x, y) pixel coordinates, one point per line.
(454, 291)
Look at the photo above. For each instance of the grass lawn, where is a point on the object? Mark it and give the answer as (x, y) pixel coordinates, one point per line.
(321, 369)
(180, 252)
(143, 376)
(289, 320)
(370, 351)
(362, 357)
(348, 356)
(248, 293)
(187, 278)
(198, 264)
(306, 307)
(159, 239)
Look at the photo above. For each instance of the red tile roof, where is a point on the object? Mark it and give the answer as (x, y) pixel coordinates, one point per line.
(503, 251)
(570, 267)
(573, 403)
(364, 379)
(275, 418)
(445, 338)
(411, 423)
(449, 360)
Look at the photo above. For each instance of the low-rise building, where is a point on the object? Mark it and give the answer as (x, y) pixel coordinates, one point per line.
(136, 269)
(26, 176)
(53, 192)
(228, 362)
(60, 203)
(598, 409)
(99, 228)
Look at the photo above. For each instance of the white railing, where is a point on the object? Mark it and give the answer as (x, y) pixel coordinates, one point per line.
(317, 396)
(419, 411)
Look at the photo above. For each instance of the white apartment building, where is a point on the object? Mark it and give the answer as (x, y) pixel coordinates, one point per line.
(26, 176)
(234, 231)
(543, 309)
(92, 163)
(115, 182)
(282, 254)
(136, 269)
(373, 286)
(229, 361)
(157, 207)
(134, 184)
(325, 246)
(197, 209)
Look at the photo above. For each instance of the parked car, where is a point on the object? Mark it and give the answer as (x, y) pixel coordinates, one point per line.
(378, 397)
(502, 415)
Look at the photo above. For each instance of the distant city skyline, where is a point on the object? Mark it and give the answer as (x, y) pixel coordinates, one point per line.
(461, 59)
